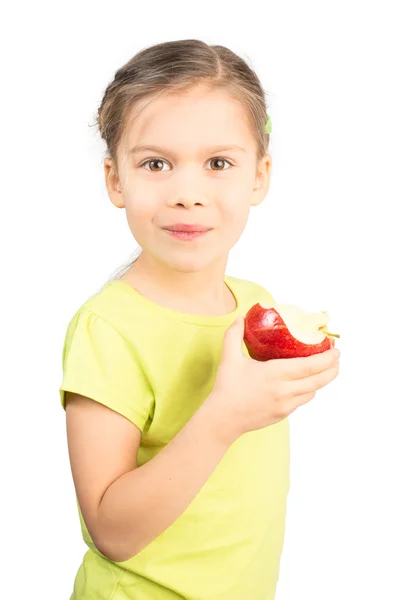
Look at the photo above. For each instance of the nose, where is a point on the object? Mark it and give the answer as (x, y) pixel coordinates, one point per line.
(188, 190)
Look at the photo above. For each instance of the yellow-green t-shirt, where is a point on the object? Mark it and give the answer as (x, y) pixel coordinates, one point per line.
(156, 366)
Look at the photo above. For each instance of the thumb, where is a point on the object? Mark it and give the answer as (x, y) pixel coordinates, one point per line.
(233, 340)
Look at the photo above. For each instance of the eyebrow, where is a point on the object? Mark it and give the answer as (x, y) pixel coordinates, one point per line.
(162, 150)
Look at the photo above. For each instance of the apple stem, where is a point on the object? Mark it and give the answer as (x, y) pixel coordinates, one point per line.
(336, 335)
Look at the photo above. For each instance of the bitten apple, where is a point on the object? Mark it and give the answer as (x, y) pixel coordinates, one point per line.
(286, 331)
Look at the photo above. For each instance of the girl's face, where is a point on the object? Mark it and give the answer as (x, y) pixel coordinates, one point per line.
(201, 169)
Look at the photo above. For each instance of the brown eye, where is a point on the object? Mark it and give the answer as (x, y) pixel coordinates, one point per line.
(157, 163)
(219, 164)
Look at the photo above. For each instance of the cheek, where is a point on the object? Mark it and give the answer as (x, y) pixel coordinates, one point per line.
(140, 203)
(235, 203)
(139, 215)
(235, 210)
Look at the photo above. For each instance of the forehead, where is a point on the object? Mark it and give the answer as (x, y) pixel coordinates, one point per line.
(192, 119)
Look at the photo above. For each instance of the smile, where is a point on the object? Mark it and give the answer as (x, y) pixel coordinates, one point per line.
(186, 235)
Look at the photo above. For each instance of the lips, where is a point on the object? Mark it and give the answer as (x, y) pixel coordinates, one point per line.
(185, 227)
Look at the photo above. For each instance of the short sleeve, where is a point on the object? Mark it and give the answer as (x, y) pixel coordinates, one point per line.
(98, 362)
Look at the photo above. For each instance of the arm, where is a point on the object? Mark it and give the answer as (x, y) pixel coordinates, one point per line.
(124, 506)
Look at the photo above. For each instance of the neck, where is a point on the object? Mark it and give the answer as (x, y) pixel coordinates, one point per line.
(202, 290)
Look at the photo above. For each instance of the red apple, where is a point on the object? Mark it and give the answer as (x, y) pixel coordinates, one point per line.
(285, 331)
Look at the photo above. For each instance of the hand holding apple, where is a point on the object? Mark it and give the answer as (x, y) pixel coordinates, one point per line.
(286, 331)
(249, 395)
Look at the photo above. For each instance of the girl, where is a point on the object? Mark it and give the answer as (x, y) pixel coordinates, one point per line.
(178, 440)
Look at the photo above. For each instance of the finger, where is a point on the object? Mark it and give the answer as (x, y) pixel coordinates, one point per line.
(304, 367)
(308, 385)
(233, 341)
(289, 405)
(304, 398)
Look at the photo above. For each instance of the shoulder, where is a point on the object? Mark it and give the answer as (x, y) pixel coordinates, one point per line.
(95, 328)
(105, 309)
(250, 290)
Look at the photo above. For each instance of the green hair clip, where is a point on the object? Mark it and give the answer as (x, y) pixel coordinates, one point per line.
(268, 125)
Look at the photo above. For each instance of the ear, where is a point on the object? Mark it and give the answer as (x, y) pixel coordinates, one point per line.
(262, 181)
(113, 184)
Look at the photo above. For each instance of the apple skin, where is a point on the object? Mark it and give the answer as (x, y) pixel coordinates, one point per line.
(267, 337)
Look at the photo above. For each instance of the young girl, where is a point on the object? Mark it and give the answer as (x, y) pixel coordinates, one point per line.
(178, 440)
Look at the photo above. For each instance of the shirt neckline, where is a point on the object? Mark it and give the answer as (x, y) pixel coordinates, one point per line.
(209, 320)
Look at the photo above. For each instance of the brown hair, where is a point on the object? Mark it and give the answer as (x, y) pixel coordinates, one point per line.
(176, 66)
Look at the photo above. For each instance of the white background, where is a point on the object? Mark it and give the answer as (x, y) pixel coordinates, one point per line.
(325, 238)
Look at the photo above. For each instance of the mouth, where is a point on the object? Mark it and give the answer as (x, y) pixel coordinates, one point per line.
(187, 235)
(186, 231)
(187, 227)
